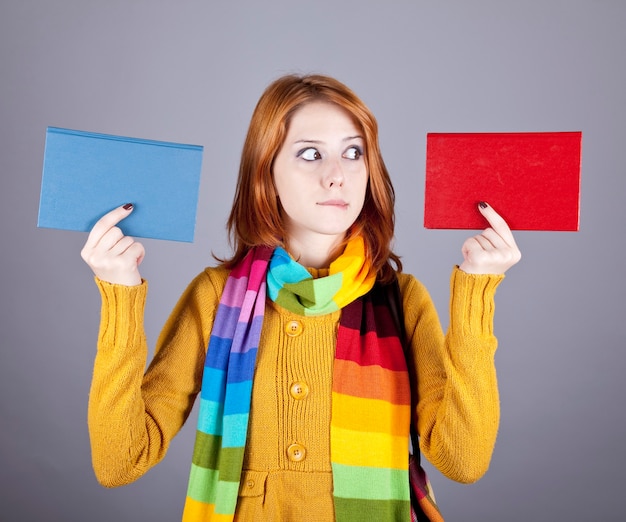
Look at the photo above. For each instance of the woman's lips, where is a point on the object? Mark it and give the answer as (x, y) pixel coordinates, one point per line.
(340, 203)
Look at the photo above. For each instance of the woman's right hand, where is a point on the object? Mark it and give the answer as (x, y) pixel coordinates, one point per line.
(113, 257)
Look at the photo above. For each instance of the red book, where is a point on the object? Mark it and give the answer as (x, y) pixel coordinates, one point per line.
(532, 179)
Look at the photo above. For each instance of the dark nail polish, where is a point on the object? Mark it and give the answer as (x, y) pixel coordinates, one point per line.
(482, 204)
(128, 206)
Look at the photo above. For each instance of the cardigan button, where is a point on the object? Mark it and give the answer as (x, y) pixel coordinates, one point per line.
(293, 328)
(296, 452)
(299, 390)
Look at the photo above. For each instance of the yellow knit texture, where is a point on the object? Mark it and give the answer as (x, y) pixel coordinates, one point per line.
(133, 415)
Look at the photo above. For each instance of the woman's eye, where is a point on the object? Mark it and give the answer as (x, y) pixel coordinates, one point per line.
(310, 154)
(353, 153)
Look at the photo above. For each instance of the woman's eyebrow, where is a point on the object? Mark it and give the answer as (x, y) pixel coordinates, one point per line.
(317, 142)
(308, 141)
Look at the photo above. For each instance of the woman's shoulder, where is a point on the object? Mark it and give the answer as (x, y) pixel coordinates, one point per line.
(409, 283)
(209, 282)
(215, 273)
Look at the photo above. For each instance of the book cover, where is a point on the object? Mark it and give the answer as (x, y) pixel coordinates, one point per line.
(532, 179)
(87, 174)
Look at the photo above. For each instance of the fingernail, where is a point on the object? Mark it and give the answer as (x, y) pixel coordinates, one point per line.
(482, 204)
(128, 206)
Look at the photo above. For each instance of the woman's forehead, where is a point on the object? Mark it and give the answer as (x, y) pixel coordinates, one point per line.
(322, 117)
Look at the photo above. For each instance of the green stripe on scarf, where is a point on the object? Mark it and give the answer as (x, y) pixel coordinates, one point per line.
(359, 509)
(369, 483)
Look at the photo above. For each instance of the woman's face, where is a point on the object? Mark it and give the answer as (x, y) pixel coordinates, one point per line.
(320, 174)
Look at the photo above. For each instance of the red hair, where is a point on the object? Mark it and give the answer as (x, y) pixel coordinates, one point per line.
(256, 218)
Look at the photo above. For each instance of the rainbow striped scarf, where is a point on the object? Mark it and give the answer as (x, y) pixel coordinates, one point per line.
(370, 399)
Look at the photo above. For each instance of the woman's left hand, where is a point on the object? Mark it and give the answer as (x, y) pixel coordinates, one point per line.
(494, 250)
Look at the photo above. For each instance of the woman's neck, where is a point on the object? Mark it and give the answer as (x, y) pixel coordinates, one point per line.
(316, 252)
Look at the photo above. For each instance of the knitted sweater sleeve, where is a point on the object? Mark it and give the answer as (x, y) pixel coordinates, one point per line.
(458, 407)
(134, 413)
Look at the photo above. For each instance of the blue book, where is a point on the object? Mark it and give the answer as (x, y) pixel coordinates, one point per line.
(85, 175)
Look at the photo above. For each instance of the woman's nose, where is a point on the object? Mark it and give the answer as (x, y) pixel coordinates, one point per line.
(334, 175)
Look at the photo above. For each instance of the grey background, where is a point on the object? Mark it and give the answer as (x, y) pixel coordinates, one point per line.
(192, 71)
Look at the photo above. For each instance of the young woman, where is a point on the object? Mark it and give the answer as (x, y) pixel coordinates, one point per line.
(306, 395)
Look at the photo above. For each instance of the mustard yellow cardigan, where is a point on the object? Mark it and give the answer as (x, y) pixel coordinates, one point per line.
(133, 415)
